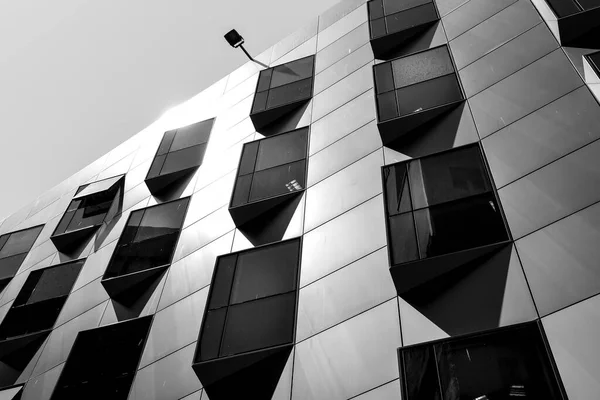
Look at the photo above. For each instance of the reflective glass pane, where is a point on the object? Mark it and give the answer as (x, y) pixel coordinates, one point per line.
(292, 72)
(221, 285)
(242, 190)
(157, 165)
(80, 220)
(509, 364)
(588, 4)
(448, 176)
(421, 375)
(212, 330)
(396, 189)
(428, 94)
(394, 6)
(162, 220)
(411, 18)
(293, 92)
(595, 61)
(64, 222)
(138, 256)
(248, 158)
(259, 324)
(282, 149)
(55, 282)
(402, 235)
(422, 66)
(3, 240)
(10, 265)
(166, 141)
(563, 8)
(278, 180)
(375, 9)
(192, 135)
(183, 159)
(264, 80)
(378, 28)
(260, 101)
(103, 378)
(20, 242)
(459, 225)
(384, 79)
(265, 272)
(386, 106)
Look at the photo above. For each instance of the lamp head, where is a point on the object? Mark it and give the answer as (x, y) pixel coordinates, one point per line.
(234, 38)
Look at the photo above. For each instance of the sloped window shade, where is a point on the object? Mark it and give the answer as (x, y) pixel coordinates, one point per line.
(180, 152)
(281, 89)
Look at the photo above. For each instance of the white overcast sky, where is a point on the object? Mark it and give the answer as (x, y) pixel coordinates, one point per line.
(78, 77)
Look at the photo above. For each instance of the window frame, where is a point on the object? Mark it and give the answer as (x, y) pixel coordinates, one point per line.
(251, 203)
(493, 190)
(473, 335)
(197, 352)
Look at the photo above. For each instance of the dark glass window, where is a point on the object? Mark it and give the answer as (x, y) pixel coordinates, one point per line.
(31, 317)
(392, 22)
(503, 364)
(421, 82)
(40, 300)
(14, 247)
(103, 361)
(283, 85)
(564, 8)
(441, 204)
(91, 206)
(148, 239)
(180, 152)
(271, 167)
(252, 301)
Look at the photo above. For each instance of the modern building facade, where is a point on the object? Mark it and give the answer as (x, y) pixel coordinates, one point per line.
(403, 205)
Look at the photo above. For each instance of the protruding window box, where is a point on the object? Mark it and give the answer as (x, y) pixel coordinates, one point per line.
(506, 363)
(180, 153)
(282, 89)
(442, 213)
(145, 250)
(32, 316)
(271, 171)
(92, 205)
(414, 90)
(14, 247)
(249, 322)
(578, 22)
(103, 361)
(393, 22)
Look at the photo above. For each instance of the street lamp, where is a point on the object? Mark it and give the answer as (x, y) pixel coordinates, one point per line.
(236, 40)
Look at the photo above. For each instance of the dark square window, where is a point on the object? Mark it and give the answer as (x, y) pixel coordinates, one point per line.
(439, 205)
(507, 363)
(14, 247)
(103, 361)
(281, 89)
(413, 90)
(270, 171)
(250, 314)
(92, 205)
(180, 152)
(146, 246)
(393, 22)
(32, 315)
